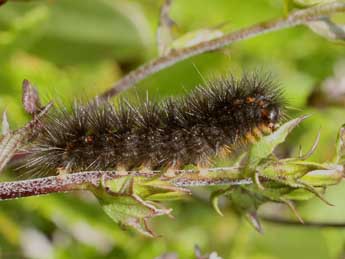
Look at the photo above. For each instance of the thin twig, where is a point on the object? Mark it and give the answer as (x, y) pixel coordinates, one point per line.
(311, 224)
(83, 180)
(294, 19)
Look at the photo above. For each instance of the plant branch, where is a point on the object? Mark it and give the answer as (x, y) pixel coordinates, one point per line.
(311, 224)
(294, 19)
(83, 181)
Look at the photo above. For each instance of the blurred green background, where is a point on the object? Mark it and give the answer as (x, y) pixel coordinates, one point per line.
(77, 49)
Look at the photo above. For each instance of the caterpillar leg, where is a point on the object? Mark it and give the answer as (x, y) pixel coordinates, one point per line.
(172, 168)
(145, 168)
(121, 170)
(203, 166)
(224, 151)
(61, 171)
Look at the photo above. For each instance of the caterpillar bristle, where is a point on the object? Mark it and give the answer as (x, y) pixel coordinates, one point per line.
(215, 119)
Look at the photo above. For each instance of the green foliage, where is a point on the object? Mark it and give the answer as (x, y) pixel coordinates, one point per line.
(79, 48)
(267, 144)
(128, 199)
(128, 209)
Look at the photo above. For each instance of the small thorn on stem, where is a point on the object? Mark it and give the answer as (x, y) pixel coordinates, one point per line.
(254, 220)
(293, 209)
(257, 181)
(316, 193)
(312, 149)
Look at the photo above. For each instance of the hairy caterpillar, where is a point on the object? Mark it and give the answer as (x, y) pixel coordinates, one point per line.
(214, 119)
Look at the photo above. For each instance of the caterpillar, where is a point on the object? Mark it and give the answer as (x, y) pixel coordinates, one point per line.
(214, 119)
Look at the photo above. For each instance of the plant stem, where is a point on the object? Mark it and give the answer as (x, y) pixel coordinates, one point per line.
(83, 180)
(311, 224)
(294, 19)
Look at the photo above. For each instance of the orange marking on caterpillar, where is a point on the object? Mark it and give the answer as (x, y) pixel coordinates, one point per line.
(261, 103)
(257, 132)
(265, 129)
(250, 137)
(250, 99)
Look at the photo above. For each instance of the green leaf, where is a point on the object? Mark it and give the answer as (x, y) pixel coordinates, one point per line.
(308, 3)
(290, 4)
(120, 202)
(328, 29)
(165, 29)
(264, 148)
(245, 202)
(131, 211)
(5, 126)
(324, 177)
(340, 146)
(299, 195)
(152, 189)
(195, 37)
(23, 31)
(273, 190)
(287, 171)
(158, 190)
(99, 30)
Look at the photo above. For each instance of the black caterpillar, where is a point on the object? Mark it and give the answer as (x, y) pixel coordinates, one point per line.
(215, 118)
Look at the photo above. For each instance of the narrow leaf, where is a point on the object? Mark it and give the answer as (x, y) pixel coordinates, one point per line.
(312, 149)
(293, 209)
(215, 199)
(324, 177)
(195, 37)
(164, 32)
(267, 144)
(340, 146)
(328, 29)
(253, 218)
(5, 129)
